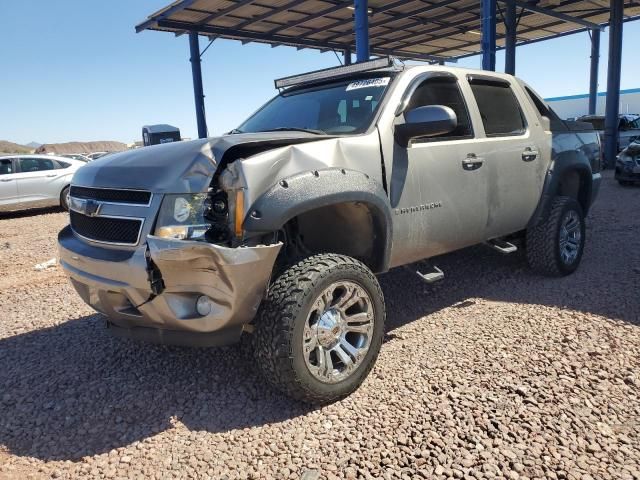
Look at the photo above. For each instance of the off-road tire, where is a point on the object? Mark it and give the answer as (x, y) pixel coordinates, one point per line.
(64, 204)
(277, 342)
(543, 245)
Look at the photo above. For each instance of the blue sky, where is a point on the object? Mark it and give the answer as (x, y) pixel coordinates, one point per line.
(76, 70)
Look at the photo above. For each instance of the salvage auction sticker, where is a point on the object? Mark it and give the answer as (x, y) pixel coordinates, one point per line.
(371, 82)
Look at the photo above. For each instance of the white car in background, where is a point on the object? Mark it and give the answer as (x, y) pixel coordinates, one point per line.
(96, 155)
(76, 156)
(35, 181)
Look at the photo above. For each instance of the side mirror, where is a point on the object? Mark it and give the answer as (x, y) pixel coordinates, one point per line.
(429, 121)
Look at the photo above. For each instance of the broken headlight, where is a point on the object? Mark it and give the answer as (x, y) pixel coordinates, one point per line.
(184, 217)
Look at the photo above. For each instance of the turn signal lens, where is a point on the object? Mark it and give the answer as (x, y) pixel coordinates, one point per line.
(239, 211)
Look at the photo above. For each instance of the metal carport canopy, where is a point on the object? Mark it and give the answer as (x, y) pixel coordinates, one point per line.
(411, 29)
(426, 30)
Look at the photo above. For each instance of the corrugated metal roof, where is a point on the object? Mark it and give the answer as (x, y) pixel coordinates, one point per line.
(412, 29)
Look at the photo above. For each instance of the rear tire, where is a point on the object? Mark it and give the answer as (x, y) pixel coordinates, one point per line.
(555, 246)
(64, 198)
(320, 329)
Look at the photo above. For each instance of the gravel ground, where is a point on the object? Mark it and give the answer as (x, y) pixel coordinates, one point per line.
(493, 373)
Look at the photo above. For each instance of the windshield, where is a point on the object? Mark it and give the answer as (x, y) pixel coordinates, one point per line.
(338, 108)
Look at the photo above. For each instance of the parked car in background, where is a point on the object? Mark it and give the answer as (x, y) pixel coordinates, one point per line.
(33, 181)
(628, 127)
(96, 155)
(77, 156)
(628, 164)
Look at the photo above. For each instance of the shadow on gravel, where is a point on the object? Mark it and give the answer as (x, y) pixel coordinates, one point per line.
(72, 390)
(479, 272)
(29, 213)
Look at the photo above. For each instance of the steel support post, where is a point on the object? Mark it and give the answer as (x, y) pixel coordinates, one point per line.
(510, 22)
(613, 82)
(489, 35)
(361, 9)
(347, 56)
(198, 93)
(593, 77)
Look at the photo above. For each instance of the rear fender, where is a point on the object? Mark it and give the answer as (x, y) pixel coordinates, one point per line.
(563, 164)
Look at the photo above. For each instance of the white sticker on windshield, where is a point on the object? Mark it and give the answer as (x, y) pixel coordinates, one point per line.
(370, 82)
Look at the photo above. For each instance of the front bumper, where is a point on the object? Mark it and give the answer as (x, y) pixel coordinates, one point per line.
(629, 171)
(117, 283)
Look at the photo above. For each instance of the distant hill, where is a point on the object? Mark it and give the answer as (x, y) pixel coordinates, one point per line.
(82, 147)
(33, 145)
(10, 147)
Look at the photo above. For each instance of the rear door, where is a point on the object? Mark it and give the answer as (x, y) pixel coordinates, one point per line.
(511, 148)
(37, 181)
(8, 183)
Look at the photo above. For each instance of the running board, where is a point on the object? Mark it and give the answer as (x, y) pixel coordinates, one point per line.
(502, 246)
(433, 276)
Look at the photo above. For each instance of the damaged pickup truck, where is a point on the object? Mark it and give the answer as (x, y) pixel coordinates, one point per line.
(277, 229)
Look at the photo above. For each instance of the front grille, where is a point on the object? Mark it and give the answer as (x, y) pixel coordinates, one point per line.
(136, 197)
(106, 229)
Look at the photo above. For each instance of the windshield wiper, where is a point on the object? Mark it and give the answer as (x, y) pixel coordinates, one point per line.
(296, 129)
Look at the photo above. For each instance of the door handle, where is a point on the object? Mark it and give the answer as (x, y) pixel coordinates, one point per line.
(472, 162)
(52, 175)
(5, 179)
(529, 154)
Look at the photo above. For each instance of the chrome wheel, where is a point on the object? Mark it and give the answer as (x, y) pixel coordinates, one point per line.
(570, 237)
(338, 331)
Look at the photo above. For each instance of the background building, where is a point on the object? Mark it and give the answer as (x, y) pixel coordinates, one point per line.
(577, 105)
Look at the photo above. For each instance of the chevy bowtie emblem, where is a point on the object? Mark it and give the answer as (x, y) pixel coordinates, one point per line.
(90, 208)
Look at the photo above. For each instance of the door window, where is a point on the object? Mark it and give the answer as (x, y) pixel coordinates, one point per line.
(499, 108)
(443, 91)
(6, 166)
(36, 164)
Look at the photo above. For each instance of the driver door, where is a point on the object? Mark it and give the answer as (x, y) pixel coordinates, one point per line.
(438, 188)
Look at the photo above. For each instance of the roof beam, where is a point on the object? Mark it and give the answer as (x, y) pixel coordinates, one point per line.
(175, 7)
(221, 13)
(473, 20)
(308, 18)
(553, 14)
(526, 42)
(557, 35)
(346, 21)
(235, 34)
(275, 11)
(384, 23)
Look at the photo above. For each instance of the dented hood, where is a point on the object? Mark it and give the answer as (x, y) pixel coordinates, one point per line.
(180, 167)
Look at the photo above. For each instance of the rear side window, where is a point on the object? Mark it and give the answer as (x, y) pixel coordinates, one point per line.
(443, 91)
(499, 108)
(6, 166)
(62, 164)
(545, 110)
(36, 164)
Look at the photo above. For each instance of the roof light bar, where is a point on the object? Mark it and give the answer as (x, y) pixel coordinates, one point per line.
(334, 72)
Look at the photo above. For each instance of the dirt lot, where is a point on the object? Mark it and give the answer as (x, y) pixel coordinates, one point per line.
(493, 373)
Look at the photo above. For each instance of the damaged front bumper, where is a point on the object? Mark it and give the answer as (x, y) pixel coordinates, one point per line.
(150, 293)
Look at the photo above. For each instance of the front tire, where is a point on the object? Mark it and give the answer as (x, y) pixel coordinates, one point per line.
(320, 329)
(64, 198)
(555, 246)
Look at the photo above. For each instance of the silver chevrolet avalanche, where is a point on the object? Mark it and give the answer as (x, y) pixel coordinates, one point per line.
(277, 229)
